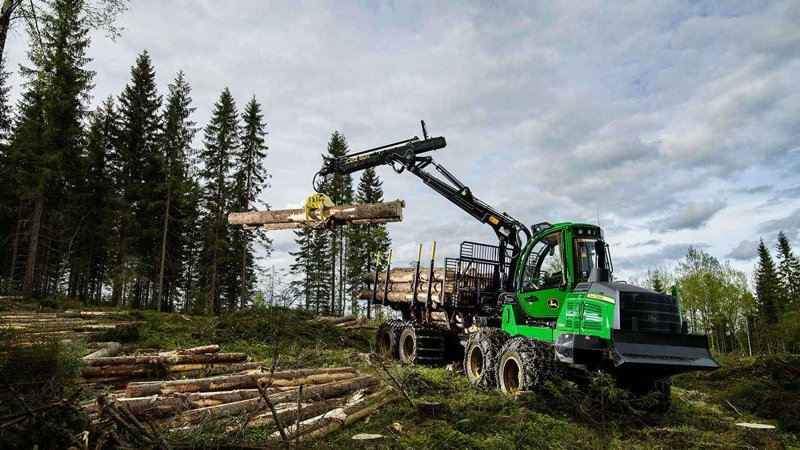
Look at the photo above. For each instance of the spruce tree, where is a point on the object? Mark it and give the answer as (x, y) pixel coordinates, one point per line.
(250, 179)
(340, 191)
(176, 141)
(143, 169)
(789, 272)
(48, 134)
(221, 143)
(8, 224)
(100, 202)
(768, 286)
(370, 239)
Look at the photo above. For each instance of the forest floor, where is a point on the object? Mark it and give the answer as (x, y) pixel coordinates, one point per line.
(588, 414)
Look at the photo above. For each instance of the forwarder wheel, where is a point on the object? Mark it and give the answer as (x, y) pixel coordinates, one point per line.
(424, 346)
(387, 337)
(480, 357)
(525, 364)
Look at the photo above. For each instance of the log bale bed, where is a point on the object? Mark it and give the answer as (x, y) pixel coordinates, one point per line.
(70, 327)
(335, 397)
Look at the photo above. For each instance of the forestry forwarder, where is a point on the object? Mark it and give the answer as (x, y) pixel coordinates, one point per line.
(541, 301)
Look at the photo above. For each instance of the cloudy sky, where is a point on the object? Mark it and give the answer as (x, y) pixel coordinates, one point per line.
(670, 123)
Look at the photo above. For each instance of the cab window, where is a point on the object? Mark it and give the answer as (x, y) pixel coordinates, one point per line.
(586, 258)
(544, 267)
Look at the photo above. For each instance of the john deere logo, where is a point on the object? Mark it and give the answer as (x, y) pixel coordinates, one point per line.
(552, 303)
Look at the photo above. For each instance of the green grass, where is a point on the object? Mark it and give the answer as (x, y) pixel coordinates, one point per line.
(565, 415)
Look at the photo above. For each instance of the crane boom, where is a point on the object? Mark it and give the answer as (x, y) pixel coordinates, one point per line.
(405, 155)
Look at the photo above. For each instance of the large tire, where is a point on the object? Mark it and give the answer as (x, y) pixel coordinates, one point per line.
(661, 387)
(481, 355)
(420, 345)
(387, 337)
(525, 364)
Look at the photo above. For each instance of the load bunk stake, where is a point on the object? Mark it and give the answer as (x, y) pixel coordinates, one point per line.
(430, 284)
(416, 280)
(386, 282)
(374, 287)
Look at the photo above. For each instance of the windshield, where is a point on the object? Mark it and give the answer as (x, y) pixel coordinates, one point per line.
(586, 258)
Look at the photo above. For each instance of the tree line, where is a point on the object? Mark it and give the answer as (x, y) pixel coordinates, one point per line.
(114, 205)
(717, 299)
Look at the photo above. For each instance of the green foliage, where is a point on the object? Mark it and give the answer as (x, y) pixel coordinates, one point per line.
(768, 286)
(40, 374)
(249, 180)
(789, 274)
(221, 142)
(141, 174)
(716, 300)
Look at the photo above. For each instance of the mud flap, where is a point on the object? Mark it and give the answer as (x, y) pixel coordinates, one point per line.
(640, 353)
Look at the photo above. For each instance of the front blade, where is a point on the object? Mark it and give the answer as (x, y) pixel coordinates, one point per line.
(660, 354)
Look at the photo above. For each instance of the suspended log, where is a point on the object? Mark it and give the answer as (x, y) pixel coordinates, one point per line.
(404, 275)
(169, 359)
(296, 218)
(110, 350)
(228, 382)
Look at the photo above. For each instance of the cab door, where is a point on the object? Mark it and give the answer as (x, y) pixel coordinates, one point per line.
(543, 286)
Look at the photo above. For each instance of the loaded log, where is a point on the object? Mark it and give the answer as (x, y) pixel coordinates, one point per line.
(370, 213)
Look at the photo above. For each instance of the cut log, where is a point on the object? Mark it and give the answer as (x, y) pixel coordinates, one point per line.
(169, 359)
(294, 218)
(140, 370)
(404, 275)
(317, 392)
(228, 382)
(155, 406)
(213, 370)
(110, 350)
(193, 351)
(332, 420)
(337, 320)
(307, 411)
(405, 297)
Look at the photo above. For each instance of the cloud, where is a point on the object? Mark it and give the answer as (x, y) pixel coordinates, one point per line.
(691, 216)
(666, 255)
(646, 243)
(642, 115)
(745, 251)
(789, 224)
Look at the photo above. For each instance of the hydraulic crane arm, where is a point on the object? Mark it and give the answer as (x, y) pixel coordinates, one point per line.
(405, 155)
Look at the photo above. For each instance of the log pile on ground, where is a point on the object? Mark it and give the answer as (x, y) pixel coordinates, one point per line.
(298, 404)
(285, 219)
(70, 327)
(401, 286)
(104, 367)
(351, 322)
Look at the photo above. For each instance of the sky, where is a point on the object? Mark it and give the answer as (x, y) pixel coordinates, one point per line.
(668, 123)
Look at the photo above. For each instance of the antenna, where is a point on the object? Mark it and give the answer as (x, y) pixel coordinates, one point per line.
(424, 130)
